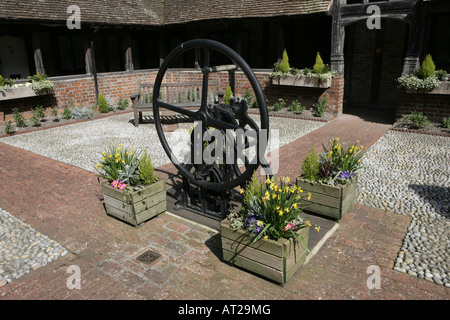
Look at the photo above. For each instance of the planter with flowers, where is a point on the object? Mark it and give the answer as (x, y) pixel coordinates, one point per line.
(319, 77)
(331, 179)
(132, 192)
(268, 235)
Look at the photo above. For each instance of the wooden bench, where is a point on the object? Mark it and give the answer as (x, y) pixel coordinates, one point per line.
(185, 94)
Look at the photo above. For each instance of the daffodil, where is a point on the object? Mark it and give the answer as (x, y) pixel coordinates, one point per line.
(317, 228)
(294, 205)
(266, 238)
(308, 196)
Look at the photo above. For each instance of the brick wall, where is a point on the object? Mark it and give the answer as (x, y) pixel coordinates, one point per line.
(434, 106)
(81, 90)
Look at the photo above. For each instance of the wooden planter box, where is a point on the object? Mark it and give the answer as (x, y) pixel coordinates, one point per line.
(137, 206)
(17, 93)
(275, 260)
(329, 201)
(301, 82)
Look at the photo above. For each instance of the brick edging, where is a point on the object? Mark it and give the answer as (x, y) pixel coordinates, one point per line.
(439, 134)
(291, 116)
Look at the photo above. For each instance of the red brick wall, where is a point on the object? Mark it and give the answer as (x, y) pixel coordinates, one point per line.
(81, 90)
(434, 106)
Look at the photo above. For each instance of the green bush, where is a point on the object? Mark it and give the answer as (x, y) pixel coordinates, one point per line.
(284, 64)
(146, 169)
(416, 120)
(102, 104)
(249, 97)
(296, 107)
(35, 121)
(19, 118)
(67, 113)
(122, 104)
(319, 65)
(428, 68)
(446, 122)
(279, 105)
(441, 74)
(9, 127)
(320, 107)
(228, 95)
(40, 112)
(310, 165)
(54, 112)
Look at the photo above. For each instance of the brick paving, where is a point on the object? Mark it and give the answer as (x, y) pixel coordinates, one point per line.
(65, 203)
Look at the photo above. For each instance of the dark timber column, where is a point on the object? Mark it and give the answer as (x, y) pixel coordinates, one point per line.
(415, 40)
(39, 63)
(337, 40)
(162, 41)
(128, 53)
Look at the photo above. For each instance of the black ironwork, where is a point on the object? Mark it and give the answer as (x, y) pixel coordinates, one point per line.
(209, 186)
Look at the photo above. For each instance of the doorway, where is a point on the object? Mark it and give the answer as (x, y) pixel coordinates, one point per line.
(373, 62)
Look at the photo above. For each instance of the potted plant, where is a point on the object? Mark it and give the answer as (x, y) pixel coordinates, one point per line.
(268, 235)
(131, 191)
(331, 178)
(285, 75)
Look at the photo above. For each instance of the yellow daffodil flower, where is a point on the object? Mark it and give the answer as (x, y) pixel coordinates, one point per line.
(317, 228)
(309, 196)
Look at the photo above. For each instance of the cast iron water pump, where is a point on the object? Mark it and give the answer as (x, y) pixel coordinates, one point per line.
(209, 184)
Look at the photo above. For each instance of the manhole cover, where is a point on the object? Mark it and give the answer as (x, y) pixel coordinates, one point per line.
(148, 257)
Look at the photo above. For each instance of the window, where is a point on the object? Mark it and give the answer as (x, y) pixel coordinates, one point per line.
(71, 54)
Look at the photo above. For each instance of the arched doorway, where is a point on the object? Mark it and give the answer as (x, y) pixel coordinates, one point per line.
(13, 57)
(373, 62)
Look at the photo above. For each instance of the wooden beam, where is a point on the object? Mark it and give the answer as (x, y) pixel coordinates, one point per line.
(37, 53)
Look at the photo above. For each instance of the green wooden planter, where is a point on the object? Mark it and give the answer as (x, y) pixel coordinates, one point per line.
(275, 260)
(330, 201)
(137, 206)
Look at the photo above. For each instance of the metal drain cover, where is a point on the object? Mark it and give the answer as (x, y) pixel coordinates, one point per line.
(148, 257)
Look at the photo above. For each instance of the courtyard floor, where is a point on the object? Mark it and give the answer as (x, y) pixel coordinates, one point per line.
(58, 202)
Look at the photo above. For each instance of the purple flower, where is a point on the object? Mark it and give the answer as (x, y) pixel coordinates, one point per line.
(345, 175)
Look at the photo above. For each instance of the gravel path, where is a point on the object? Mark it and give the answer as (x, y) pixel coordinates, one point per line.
(22, 248)
(409, 174)
(81, 144)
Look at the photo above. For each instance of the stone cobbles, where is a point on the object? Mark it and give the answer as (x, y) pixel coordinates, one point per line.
(409, 173)
(24, 249)
(67, 207)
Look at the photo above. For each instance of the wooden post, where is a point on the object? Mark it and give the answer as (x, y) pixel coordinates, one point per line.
(415, 40)
(39, 63)
(128, 52)
(162, 47)
(337, 40)
(281, 44)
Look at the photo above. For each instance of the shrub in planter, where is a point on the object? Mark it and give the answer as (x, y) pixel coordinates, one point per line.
(331, 179)
(269, 224)
(284, 64)
(318, 65)
(131, 191)
(428, 68)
